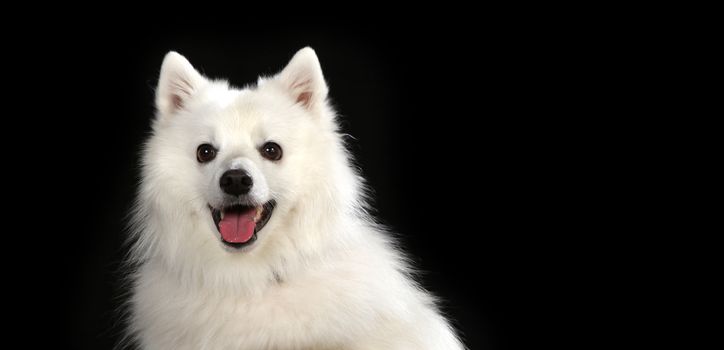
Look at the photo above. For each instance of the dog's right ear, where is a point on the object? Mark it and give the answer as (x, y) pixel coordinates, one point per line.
(179, 81)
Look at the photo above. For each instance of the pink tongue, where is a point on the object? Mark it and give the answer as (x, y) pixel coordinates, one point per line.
(238, 227)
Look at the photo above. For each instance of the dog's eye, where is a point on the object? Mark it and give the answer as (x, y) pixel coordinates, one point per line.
(271, 151)
(205, 153)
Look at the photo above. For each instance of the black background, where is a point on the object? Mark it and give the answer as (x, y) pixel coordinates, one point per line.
(452, 129)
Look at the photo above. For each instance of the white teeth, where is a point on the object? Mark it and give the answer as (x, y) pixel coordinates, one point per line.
(259, 210)
(222, 214)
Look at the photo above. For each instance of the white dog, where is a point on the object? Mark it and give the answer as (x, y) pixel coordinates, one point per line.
(250, 229)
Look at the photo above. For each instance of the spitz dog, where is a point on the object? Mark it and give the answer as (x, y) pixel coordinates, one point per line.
(251, 230)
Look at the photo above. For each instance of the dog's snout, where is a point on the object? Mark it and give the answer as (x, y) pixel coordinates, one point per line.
(236, 182)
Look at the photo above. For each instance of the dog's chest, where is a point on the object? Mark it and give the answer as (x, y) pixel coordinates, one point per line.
(286, 314)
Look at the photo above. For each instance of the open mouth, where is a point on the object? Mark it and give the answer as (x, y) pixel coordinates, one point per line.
(238, 224)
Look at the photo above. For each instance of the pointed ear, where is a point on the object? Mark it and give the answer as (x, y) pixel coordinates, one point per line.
(303, 79)
(179, 81)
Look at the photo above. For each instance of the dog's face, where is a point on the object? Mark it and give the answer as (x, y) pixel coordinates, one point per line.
(236, 162)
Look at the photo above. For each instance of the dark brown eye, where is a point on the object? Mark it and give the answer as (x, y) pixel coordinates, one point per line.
(205, 153)
(271, 151)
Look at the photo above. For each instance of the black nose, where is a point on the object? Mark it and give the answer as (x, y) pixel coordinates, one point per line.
(236, 182)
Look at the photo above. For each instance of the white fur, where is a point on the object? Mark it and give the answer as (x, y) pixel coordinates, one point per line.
(321, 275)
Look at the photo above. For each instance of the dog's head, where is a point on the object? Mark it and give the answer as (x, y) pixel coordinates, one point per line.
(229, 168)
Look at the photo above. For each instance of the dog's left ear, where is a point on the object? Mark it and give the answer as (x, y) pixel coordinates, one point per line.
(303, 79)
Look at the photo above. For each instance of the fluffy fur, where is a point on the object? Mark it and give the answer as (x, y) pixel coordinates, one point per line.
(321, 275)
